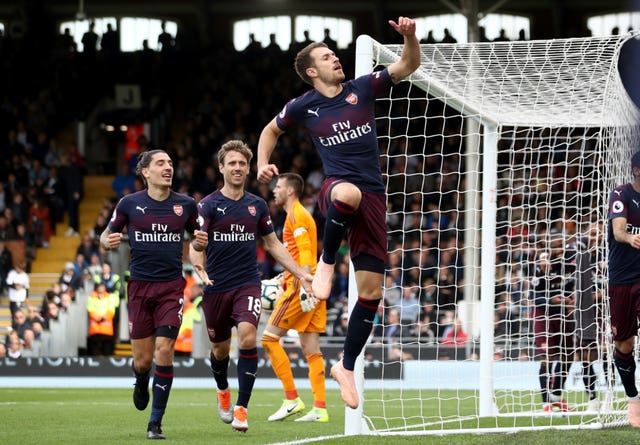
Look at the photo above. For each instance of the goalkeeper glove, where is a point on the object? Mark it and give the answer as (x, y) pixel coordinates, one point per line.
(307, 302)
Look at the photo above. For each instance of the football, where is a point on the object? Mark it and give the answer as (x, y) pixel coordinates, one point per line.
(271, 292)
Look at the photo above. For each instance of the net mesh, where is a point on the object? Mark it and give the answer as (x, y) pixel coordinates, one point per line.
(565, 129)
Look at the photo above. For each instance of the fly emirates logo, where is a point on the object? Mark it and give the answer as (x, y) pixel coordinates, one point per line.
(236, 233)
(159, 234)
(345, 133)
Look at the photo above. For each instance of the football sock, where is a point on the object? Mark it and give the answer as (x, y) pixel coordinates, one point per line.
(142, 378)
(247, 368)
(626, 366)
(589, 379)
(358, 331)
(543, 376)
(317, 379)
(162, 380)
(280, 363)
(219, 370)
(560, 376)
(339, 216)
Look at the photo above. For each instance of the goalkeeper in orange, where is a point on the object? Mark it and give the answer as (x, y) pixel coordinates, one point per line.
(296, 310)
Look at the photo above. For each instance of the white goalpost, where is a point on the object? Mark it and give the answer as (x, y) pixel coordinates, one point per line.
(492, 153)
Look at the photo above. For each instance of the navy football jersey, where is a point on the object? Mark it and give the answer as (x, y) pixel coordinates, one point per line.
(233, 228)
(156, 233)
(624, 202)
(547, 285)
(343, 128)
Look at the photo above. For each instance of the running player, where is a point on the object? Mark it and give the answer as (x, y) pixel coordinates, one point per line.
(295, 310)
(156, 219)
(234, 220)
(340, 119)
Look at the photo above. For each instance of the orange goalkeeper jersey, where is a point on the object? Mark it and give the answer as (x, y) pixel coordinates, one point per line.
(300, 237)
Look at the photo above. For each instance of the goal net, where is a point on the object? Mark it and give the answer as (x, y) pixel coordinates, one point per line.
(495, 156)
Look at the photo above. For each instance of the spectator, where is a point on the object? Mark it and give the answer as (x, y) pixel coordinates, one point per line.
(409, 306)
(101, 307)
(3, 351)
(190, 315)
(18, 283)
(30, 347)
(391, 293)
(71, 177)
(392, 327)
(39, 223)
(14, 345)
(52, 312)
(340, 328)
(20, 323)
(6, 263)
(454, 335)
(69, 279)
(90, 40)
(123, 182)
(87, 248)
(110, 279)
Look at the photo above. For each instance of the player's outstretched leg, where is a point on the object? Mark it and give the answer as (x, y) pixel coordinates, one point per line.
(240, 422)
(346, 380)
(322, 280)
(225, 410)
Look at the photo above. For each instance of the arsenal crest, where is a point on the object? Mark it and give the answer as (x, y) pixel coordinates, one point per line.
(252, 210)
(177, 209)
(352, 99)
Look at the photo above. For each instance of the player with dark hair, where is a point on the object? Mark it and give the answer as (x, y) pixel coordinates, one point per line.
(340, 119)
(553, 330)
(623, 237)
(295, 310)
(234, 220)
(156, 219)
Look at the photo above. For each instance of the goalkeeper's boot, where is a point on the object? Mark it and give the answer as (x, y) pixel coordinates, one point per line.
(315, 415)
(154, 431)
(633, 412)
(322, 280)
(225, 410)
(347, 383)
(141, 393)
(288, 408)
(240, 422)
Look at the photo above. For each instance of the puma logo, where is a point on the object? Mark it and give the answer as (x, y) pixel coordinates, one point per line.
(337, 223)
(142, 209)
(314, 112)
(617, 192)
(162, 387)
(221, 210)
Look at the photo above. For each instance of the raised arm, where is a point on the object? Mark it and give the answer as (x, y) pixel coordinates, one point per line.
(266, 144)
(410, 58)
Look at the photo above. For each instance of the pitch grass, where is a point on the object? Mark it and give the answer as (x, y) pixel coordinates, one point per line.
(107, 416)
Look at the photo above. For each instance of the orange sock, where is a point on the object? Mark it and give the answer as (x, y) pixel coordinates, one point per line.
(317, 378)
(280, 363)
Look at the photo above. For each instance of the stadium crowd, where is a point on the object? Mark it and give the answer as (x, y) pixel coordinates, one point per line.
(42, 182)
